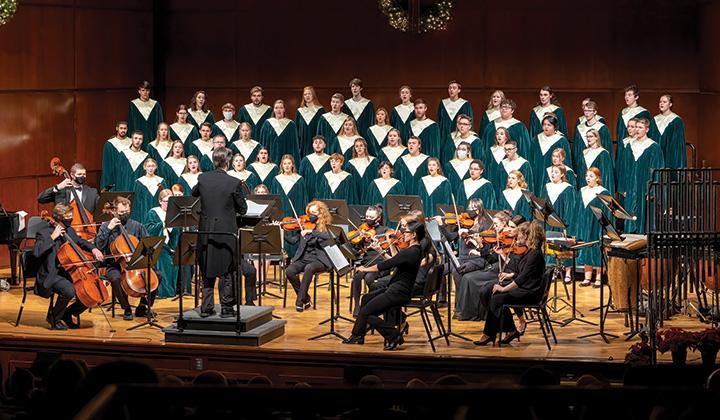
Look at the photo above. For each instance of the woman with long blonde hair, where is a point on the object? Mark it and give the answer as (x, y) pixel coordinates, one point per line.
(306, 119)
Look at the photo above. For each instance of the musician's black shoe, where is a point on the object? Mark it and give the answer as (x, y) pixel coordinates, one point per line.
(484, 341)
(393, 344)
(515, 335)
(207, 314)
(57, 326)
(354, 339)
(307, 305)
(68, 320)
(128, 315)
(227, 312)
(142, 311)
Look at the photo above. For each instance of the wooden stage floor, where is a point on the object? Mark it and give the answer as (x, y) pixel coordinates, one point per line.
(95, 341)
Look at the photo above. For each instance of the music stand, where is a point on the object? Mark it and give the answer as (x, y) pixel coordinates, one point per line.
(401, 205)
(273, 202)
(356, 213)
(185, 254)
(453, 261)
(339, 211)
(183, 212)
(145, 257)
(105, 201)
(616, 209)
(262, 240)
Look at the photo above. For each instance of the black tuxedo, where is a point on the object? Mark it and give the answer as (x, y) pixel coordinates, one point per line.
(89, 198)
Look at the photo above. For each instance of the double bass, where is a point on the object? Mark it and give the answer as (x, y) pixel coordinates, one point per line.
(82, 222)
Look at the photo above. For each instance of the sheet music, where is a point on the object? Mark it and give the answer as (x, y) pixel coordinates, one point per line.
(255, 209)
(336, 257)
(21, 215)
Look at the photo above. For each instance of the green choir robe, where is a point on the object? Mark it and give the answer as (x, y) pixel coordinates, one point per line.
(588, 228)
(363, 172)
(196, 118)
(488, 116)
(363, 111)
(400, 118)
(129, 168)
(580, 141)
(155, 226)
(517, 130)
(160, 151)
(434, 190)
(515, 202)
(186, 133)
(519, 164)
(581, 120)
(622, 160)
(409, 170)
(306, 121)
(255, 116)
(624, 117)
(672, 140)
(312, 167)
(494, 170)
(376, 138)
(144, 116)
(250, 179)
(337, 186)
(171, 168)
(147, 192)
(290, 188)
(229, 129)
(111, 159)
(344, 145)
(206, 163)
(188, 182)
(447, 113)
(456, 171)
(329, 125)
(280, 138)
(248, 148)
(265, 172)
(200, 148)
(429, 133)
(541, 151)
(538, 113)
(563, 198)
(453, 140)
(642, 158)
(391, 154)
(479, 188)
(601, 159)
(379, 189)
(569, 173)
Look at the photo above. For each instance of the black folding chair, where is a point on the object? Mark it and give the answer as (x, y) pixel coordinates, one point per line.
(428, 300)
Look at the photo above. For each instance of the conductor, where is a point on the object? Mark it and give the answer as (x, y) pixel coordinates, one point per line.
(221, 197)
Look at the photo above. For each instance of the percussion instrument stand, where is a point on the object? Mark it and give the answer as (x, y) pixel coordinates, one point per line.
(603, 307)
(552, 302)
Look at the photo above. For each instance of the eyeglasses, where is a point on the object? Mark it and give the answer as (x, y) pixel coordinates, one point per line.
(510, 149)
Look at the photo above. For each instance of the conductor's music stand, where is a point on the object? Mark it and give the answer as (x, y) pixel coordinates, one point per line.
(185, 254)
(145, 257)
(401, 205)
(184, 212)
(105, 202)
(262, 240)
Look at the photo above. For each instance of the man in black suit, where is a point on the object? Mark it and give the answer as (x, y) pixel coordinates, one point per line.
(221, 198)
(51, 278)
(63, 192)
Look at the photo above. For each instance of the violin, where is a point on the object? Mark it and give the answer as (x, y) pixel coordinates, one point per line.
(463, 220)
(363, 233)
(491, 237)
(297, 223)
(82, 222)
(82, 267)
(389, 238)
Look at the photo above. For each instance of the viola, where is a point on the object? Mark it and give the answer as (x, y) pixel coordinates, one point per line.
(299, 223)
(82, 222)
(83, 269)
(363, 233)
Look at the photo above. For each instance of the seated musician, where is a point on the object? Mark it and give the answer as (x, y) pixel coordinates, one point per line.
(52, 278)
(310, 257)
(107, 234)
(524, 287)
(62, 193)
(374, 220)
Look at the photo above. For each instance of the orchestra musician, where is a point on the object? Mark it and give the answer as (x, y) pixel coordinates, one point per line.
(62, 194)
(373, 222)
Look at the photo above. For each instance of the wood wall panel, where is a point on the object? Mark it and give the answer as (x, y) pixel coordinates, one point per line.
(709, 47)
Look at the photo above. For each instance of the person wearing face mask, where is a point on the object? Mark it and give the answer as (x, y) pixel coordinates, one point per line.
(374, 219)
(463, 134)
(227, 126)
(107, 233)
(53, 279)
(457, 168)
(62, 192)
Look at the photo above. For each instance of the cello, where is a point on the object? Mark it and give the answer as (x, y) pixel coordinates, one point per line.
(83, 222)
(82, 267)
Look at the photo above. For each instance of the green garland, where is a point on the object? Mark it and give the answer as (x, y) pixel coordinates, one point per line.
(7, 10)
(435, 19)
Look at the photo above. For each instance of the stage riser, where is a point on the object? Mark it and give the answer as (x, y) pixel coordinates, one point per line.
(227, 324)
(255, 337)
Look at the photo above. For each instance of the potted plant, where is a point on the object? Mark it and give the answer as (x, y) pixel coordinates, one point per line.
(708, 342)
(639, 354)
(678, 341)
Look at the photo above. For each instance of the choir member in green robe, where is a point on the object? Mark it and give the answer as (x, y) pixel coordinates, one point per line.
(426, 130)
(458, 168)
(189, 177)
(206, 162)
(263, 168)
(331, 123)
(144, 114)
(514, 162)
(182, 130)
(279, 134)
(314, 165)
(307, 118)
(112, 153)
(239, 171)
(345, 140)
(476, 187)
(542, 147)
(382, 186)
(411, 167)
(174, 165)
(512, 198)
(622, 159)
(146, 189)
(588, 228)
(403, 113)
(290, 186)
(160, 147)
(634, 110)
(245, 145)
(515, 128)
(493, 160)
(548, 105)
(595, 155)
(361, 109)
(591, 123)
(563, 198)
(199, 112)
(376, 135)
(227, 126)
(337, 184)
(492, 112)
(130, 163)
(394, 148)
(462, 134)
(434, 188)
(255, 113)
(558, 159)
(203, 147)
(644, 156)
(581, 119)
(672, 134)
(362, 167)
(451, 108)
(155, 225)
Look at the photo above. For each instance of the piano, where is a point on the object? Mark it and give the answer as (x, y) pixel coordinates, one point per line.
(12, 232)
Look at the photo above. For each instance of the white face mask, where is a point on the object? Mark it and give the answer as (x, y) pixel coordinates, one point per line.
(462, 154)
(228, 115)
